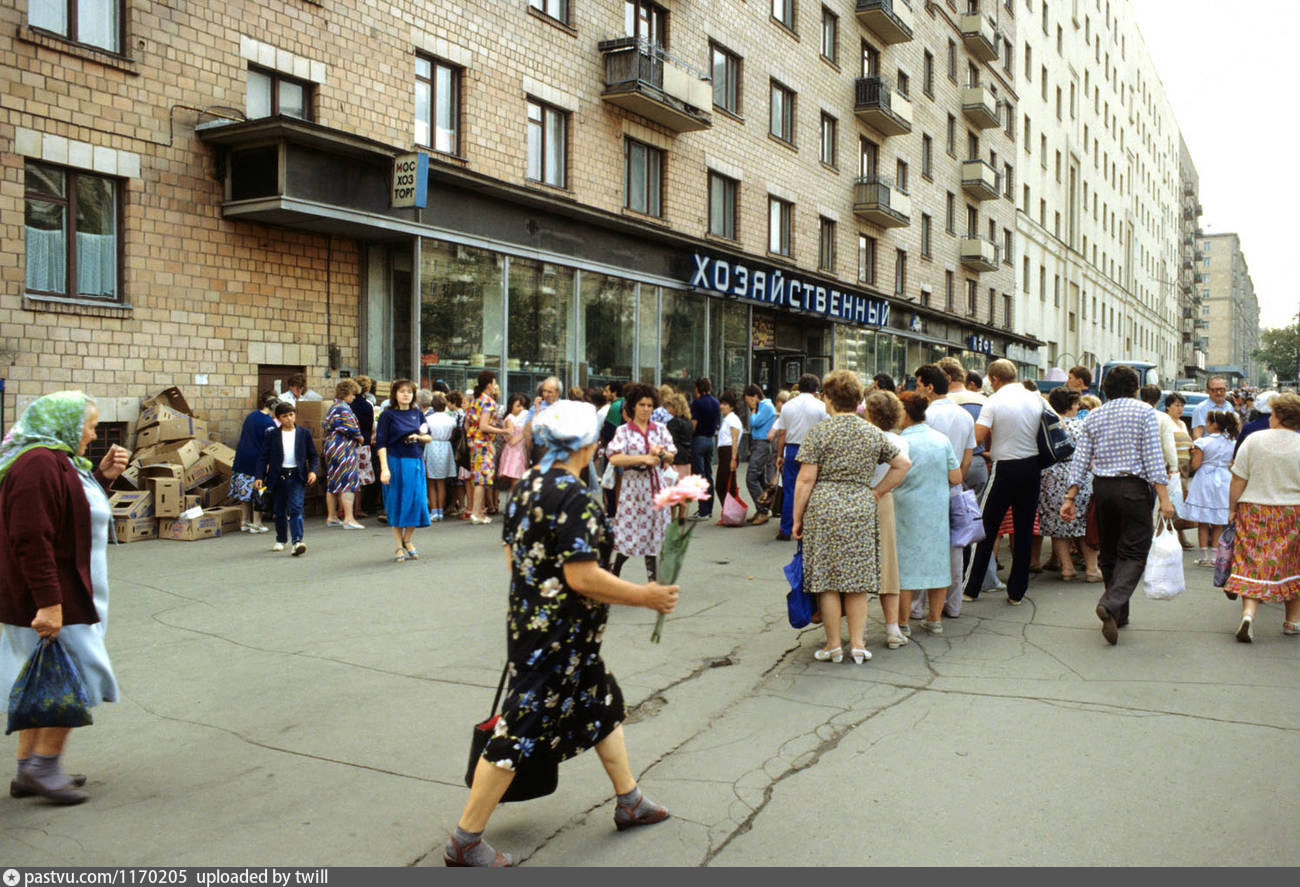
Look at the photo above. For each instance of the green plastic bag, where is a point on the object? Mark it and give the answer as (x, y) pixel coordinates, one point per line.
(49, 691)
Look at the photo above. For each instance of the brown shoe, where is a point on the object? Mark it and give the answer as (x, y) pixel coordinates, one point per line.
(21, 790)
(67, 795)
(1109, 630)
(760, 519)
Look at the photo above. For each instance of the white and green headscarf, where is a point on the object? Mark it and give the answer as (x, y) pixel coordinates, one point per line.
(54, 421)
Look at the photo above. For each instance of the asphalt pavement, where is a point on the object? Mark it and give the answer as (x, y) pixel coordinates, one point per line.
(317, 711)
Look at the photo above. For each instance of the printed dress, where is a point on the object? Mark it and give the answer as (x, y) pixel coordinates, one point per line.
(840, 532)
(1051, 495)
(342, 434)
(638, 528)
(1207, 497)
(561, 700)
(481, 448)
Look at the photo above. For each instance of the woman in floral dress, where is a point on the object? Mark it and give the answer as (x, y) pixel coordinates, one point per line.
(342, 474)
(481, 438)
(1051, 496)
(560, 699)
(641, 447)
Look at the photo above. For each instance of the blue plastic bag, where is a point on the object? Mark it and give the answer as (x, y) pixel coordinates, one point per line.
(799, 604)
(49, 691)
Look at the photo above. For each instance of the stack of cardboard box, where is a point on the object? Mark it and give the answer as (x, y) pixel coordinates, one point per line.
(176, 484)
(310, 414)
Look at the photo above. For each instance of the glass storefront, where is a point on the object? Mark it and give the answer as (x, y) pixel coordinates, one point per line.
(648, 346)
(462, 313)
(729, 344)
(541, 301)
(607, 315)
(682, 344)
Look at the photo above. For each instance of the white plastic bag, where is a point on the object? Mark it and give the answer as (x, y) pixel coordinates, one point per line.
(1163, 579)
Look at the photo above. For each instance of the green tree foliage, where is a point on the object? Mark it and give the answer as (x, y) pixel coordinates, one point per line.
(1280, 351)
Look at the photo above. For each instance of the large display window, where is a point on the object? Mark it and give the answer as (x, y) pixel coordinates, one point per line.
(462, 317)
(682, 344)
(541, 301)
(607, 316)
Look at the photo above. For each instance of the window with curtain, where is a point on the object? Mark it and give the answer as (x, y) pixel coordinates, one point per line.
(268, 93)
(437, 104)
(92, 22)
(72, 247)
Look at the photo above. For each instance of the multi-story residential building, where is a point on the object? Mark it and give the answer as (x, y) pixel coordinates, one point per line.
(1192, 324)
(217, 195)
(1228, 308)
(1100, 215)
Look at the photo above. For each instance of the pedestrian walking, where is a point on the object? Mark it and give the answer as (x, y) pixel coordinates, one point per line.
(342, 476)
(54, 528)
(1008, 426)
(1207, 496)
(1051, 496)
(1119, 445)
(243, 470)
(728, 445)
(400, 442)
(560, 699)
(287, 464)
(641, 447)
(1264, 506)
(762, 416)
(706, 417)
(834, 513)
(797, 417)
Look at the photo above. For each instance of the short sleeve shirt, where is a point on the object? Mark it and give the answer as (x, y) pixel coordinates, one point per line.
(1012, 416)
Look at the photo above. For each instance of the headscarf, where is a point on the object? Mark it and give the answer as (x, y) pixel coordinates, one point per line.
(564, 428)
(54, 421)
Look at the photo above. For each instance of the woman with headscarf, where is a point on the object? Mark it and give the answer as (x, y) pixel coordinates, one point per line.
(54, 529)
(560, 699)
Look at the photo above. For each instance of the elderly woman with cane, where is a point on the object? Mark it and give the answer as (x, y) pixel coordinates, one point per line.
(560, 699)
(54, 527)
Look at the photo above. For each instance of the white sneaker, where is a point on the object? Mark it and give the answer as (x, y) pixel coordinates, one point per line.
(279, 546)
(260, 528)
(298, 548)
(245, 528)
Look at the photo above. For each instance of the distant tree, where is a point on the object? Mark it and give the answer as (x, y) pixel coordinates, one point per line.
(1280, 351)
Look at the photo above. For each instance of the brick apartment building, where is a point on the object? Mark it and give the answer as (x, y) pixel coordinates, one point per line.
(746, 189)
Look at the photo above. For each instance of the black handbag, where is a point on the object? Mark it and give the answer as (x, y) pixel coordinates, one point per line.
(536, 778)
(1054, 445)
(261, 501)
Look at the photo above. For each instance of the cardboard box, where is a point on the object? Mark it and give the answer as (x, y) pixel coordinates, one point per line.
(166, 496)
(131, 504)
(230, 516)
(222, 455)
(179, 529)
(134, 529)
(213, 493)
(163, 470)
(167, 430)
(188, 502)
(168, 397)
(182, 453)
(310, 413)
(205, 469)
(156, 413)
(129, 479)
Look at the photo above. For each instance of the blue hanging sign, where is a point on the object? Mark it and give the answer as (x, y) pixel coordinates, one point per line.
(410, 180)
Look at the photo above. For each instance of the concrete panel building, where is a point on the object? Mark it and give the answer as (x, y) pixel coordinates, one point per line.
(1229, 308)
(216, 195)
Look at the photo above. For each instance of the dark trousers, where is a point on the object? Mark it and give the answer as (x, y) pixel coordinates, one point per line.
(702, 464)
(789, 472)
(287, 498)
(1123, 513)
(1013, 483)
(759, 471)
(725, 482)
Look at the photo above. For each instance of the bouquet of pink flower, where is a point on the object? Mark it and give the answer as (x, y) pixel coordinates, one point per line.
(678, 535)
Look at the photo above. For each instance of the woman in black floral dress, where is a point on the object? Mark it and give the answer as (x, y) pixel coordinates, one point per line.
(561, 700)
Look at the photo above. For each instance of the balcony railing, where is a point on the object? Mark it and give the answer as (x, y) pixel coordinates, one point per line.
(876, 200)
(978, 254)
(980, 36)
(980, 106)
(880, 106)
(890, 20)
(980, 179)
(646, 80)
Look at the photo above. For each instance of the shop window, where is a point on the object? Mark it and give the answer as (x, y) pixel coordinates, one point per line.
(683, 342)
(548, 139)
(90, 22)
(541, 298)
(729, 345)
(556, 9)
(722, 205)
(648, 342)
(461, 312)
(270, 93)
(643, 178)
(607, 316)
(437, 105)
(71, 224)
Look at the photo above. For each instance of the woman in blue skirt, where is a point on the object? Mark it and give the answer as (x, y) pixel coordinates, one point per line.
(399, 442)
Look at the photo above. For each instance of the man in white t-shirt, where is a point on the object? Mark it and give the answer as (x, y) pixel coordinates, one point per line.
(801, 413)
(954, 423)
(1008, 427)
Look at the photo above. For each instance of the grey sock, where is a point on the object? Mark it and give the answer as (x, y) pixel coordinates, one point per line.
(22, 762)
(632, 798)
(46, 772)
(471, 847)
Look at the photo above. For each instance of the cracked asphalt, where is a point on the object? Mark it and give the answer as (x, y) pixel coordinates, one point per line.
(317, 711)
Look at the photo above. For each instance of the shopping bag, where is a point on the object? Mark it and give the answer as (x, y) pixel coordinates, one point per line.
(535, 780)
(799, 604)
(1223, 555)
(966, 524)
(48, 691)
(1163, 578)
(734, 510)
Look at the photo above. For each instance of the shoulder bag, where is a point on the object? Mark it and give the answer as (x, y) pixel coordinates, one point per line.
(537, 779)
(1054, 445)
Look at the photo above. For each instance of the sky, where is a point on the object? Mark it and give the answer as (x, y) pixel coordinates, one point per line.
(1229, 71)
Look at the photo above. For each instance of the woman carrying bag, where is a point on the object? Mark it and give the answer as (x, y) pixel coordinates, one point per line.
(560, 699)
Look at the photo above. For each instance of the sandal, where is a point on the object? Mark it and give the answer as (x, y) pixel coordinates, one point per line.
(412, 553)
(835, 655)
(1093, 577)
(860, 655)
(400, 554)
(1291, 628)
(894, 641)
(1246, 631)
(1069, 577)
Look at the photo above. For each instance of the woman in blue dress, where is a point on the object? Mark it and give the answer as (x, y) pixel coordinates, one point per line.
(921, 514)
(242, 472)
(399, 443)
(54, 527)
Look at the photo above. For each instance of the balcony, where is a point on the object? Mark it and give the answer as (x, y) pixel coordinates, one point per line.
(646, 80)
(1188, 189)
(876, 200)
(1187, 263)
(880, 106)
(1198, 255)
(980, 107)
(1200, 278)
(890, 20)
(980, 180)
(978, 34)
(978, 254)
